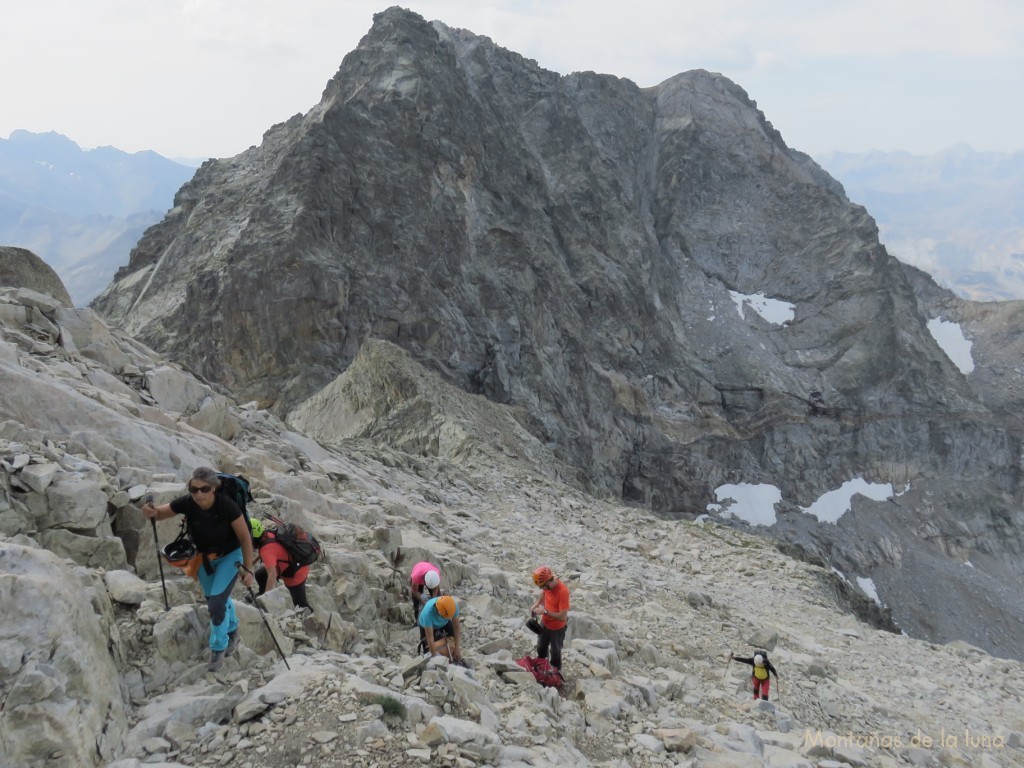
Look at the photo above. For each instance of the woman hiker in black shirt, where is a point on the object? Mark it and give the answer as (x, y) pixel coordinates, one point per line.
(219, 531)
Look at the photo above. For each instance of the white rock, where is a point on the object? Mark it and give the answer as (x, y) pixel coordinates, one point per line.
(125, 587)
(677, 739)
(777, 757)
(417, 710)
(76, 504)
(445, 729)
(650, 743)
(136, 492)
(105, 552)
(175, 390)
(39, 476)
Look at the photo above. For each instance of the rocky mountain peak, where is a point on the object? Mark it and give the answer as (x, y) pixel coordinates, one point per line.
(681, 306)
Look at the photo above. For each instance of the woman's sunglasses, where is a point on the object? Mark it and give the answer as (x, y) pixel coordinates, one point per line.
(201, 489)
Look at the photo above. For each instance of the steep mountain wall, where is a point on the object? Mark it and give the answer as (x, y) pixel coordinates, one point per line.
(676, 299)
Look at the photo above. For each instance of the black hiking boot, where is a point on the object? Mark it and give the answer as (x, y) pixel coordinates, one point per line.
(232, 643)
(216, 661)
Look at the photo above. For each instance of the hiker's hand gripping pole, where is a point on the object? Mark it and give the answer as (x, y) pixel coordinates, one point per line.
(263, 616)
(246, 576)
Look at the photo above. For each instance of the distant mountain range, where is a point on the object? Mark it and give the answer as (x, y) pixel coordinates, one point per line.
(82, 211)
(957, 214)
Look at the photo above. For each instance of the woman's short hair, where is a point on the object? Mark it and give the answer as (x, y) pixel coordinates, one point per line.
(207, 475)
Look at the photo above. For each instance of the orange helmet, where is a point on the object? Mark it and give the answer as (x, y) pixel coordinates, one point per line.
(446, 606)
(542, 576)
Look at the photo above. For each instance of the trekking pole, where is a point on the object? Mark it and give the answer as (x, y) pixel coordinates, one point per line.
(273, 637)
(159, 560)
(726, 672)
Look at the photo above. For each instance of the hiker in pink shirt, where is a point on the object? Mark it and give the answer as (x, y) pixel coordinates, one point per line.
(424, 584)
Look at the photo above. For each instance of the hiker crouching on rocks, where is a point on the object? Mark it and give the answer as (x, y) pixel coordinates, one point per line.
(440, 619)
(278, 564)
(424, 583)
(218, 531)
(554, 615)
(759, 677)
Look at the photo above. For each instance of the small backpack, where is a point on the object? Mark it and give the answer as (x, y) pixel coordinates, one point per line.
(236, 488)
(302, 546)
(543, 672)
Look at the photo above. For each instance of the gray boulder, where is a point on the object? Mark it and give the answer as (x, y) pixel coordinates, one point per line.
(106, 552)
(20, 268)
(64, 705)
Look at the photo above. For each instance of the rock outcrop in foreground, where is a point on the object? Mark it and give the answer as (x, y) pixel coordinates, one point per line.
(21, 268)
(94, 671)
(678, 306)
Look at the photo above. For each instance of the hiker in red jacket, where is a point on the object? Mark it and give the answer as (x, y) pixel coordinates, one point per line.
(554, 615)
(277, 564)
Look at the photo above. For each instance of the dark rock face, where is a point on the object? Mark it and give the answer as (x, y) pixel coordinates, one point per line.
(20, 268)
(579, 247)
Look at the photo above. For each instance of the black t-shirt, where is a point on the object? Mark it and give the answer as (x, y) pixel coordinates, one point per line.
(210, 529)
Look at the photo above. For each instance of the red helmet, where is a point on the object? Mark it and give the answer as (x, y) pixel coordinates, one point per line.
(542, 576)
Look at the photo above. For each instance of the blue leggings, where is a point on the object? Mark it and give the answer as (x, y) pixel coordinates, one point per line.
(217, 587)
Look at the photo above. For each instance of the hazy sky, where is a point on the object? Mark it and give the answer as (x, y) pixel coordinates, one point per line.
(196, 78)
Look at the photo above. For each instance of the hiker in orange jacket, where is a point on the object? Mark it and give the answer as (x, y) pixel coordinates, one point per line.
(552, 605)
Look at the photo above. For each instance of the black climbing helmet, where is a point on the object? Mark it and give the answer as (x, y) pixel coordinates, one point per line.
(179, 552)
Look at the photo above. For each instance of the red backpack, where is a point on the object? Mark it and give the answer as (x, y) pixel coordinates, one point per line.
(302, 546)
(542, 670)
